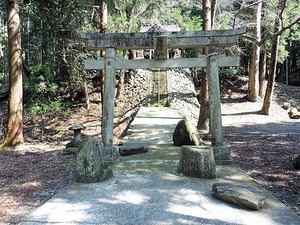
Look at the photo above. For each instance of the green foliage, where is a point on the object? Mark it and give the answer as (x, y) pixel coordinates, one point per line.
(42, 81)
(1, 77)
(191, 53)
(41, 72)
(223, 21)
(190, 22)
(44, 86)
(39, 108)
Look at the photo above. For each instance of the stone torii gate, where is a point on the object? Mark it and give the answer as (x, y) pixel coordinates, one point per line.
(160, 42)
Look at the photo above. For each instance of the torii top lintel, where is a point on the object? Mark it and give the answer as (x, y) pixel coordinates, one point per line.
(190, 39)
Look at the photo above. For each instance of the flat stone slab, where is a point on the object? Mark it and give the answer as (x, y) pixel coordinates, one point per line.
(124, 151)
(240, 195)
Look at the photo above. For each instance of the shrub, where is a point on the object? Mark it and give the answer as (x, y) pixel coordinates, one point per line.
(42, 81)
(39, 108)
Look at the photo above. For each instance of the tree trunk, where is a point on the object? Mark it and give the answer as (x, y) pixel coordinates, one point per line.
(203, 120)
(100, 22)
(253, 74)
(103, 29)
(262, 71)
(253, 85)
(213, 11)
(280, 69)
(272, 74)
(14, 135)
(274, 56)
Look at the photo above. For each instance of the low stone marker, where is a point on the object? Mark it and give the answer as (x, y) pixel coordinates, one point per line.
(240, 195)
(90, 164)
(185, 133)
(197, 161)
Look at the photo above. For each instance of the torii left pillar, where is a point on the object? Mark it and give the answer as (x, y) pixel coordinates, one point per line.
(110, 151)
(221, 152)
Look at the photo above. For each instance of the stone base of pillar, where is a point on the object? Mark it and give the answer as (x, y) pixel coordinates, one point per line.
(197, 161)
(222, 155)
(111, 154)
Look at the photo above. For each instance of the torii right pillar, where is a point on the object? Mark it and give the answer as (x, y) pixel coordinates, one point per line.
(221, 151)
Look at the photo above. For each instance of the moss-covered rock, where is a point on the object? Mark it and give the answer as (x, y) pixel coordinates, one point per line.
(186, 134)
(90, 164)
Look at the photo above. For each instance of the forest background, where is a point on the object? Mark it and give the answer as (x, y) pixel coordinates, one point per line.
(54, 82)
(51, 55)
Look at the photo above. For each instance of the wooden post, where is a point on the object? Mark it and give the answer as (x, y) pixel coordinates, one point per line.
(108, 101)
(215, 119)
(221, 152)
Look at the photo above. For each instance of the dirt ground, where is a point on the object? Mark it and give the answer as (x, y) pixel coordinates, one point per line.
(264, 146)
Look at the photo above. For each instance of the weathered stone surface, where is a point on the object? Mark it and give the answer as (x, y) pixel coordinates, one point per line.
(73, 145)
(294, 114)
(111, 154)
(197, 161)
(297, 163)
(240, 195)
(185, 133)
(124, 151)
(90, 164)
(222, 155)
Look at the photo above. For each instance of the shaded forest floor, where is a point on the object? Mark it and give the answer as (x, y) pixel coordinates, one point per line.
(264, 146)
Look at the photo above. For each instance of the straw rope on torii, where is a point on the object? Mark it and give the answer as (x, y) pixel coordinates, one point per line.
(160, 42)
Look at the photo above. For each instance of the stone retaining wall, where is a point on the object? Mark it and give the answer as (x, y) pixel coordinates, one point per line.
(181, 89)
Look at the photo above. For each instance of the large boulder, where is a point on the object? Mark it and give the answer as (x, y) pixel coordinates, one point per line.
(240, 195)
(186, 133)
(90, 164)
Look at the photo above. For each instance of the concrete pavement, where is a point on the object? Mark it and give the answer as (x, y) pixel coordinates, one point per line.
(146, 189)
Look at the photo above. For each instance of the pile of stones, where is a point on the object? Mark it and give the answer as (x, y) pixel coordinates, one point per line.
(182, 93)
(181, 89)
(137, 85)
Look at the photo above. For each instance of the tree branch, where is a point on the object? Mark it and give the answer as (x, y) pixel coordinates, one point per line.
(268, 35)
(241, 9)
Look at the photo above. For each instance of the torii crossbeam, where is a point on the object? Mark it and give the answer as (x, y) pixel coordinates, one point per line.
(160, 42)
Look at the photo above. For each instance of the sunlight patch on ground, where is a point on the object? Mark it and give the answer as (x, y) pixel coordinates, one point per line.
(53, 212)
(132, 197)
(28, 147)
(195, 211)
(190, 196)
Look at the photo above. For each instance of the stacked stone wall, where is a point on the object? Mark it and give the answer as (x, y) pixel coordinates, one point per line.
(181, 89)
(137, 86)
(182, 93)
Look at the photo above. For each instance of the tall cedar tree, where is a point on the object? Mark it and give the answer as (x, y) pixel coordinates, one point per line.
(14, 135)
(203, 121)
(274, 57)
(253, 85)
